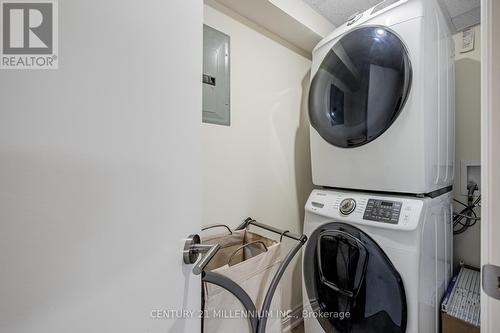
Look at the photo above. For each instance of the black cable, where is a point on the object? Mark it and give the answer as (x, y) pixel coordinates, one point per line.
(466, 225)
(460, 202)
(463, 226)
(468, 214)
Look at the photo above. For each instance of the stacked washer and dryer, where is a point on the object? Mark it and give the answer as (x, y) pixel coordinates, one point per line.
(381, 107)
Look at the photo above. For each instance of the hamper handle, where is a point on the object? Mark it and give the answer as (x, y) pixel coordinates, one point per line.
(243, 246)
(217, 226)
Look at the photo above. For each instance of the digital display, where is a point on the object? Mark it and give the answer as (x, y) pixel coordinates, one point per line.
(383, 211)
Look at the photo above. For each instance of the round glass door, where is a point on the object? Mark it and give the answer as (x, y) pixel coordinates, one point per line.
(351, 284)
(360, 87)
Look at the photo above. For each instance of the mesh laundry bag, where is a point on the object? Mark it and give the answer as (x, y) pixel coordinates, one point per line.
(252, 267)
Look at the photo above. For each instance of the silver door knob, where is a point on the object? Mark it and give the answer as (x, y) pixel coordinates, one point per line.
(193, 249)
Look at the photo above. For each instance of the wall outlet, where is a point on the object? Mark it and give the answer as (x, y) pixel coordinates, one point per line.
(470, 172)
(467, 40)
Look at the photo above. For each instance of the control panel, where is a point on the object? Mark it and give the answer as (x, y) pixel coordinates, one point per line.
(376, 210)
(382, 211)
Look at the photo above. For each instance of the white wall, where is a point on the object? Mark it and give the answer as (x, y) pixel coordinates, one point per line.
(467, 136)
(96, 160)
(260, 165)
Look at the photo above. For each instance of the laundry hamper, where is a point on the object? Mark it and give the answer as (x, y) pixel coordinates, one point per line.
(251, 261)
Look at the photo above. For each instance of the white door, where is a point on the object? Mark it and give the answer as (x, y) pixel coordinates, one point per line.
(490, 157)
(99, 173)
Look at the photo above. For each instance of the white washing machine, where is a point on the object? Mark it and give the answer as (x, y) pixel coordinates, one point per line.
(381, 101)
(375, 263)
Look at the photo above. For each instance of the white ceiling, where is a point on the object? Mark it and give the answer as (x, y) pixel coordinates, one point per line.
(337, 11)
(297, 22)
(463, 13)
(281, 19)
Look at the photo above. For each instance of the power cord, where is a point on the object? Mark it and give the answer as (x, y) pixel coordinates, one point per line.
(468, 212)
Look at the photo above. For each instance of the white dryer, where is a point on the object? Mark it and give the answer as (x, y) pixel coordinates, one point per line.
(381, 101)
(375, 263)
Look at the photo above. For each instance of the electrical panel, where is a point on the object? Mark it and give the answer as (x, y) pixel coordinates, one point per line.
(215, 78)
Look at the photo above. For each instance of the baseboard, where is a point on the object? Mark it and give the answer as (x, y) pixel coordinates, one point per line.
(293, 320)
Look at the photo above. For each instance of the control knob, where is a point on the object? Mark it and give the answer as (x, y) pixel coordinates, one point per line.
(347, 206)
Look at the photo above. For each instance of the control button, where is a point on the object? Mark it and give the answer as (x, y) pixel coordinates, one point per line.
(347, 206)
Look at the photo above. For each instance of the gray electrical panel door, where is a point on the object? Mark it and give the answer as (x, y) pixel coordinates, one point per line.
(216, 82)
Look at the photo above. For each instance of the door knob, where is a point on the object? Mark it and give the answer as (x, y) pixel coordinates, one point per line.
(192, 250)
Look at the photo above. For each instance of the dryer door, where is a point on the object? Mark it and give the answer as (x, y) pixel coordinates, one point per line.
(351, 284)
(360, 87)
